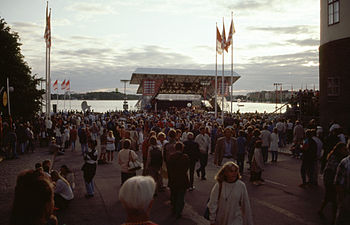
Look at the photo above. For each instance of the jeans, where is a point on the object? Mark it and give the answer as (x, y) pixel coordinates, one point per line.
(90, 188)
(84, 148)
(22, 145)
(191, 172)
(73, 145)
(177, 198)
(240, 161)
(203, 161)
(264, 150)
(274, 155)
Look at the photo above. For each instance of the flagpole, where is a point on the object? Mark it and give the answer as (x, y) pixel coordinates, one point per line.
(222, 81)
(231, 30)
(47, 84)
(64, 98)
(216, 73)
(49, 77)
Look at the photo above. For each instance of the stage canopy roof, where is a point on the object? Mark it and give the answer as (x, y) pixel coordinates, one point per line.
(179, 81)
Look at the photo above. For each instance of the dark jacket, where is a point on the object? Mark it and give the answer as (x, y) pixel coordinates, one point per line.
(220, 149)
(191, 149)
(178, 165)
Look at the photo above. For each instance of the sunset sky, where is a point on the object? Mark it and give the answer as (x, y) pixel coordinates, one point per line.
(96, 43)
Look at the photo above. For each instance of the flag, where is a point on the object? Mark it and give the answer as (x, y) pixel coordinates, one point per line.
(55, 85)
(63, 85)
(68, 85)
(230, 36)
(223, 36)
(47, 34)
(218, 41)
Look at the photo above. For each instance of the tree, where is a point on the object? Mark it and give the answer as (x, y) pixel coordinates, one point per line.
(25, 100)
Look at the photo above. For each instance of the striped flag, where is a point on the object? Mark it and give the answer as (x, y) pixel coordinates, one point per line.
(55, 85)
(63, 85)
(218, 41)
(223, 36)
(68, 85)
(230, 36)
(47, 34)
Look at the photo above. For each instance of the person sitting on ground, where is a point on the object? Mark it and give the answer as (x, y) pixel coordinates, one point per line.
(54, 148)
(46, 164)
(39, 167)
(63, 191)
(33, 202)
(136, 196)
(68, 174)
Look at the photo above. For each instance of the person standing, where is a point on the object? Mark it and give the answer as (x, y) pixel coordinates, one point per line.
(110, 147)
(309, 159)
(229, 202)
(73, 137)
(226, 148)
(191, 148)
(266, 140)
(342, 182)
(154, 162)
(125, 155)
(89, 168)
(204, 144)
(274, 145)
(241, 150)
(178, 165)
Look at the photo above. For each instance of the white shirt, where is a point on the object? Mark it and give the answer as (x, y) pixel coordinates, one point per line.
(204, 143)
(110, 143)
(63, 189)
(123, 159)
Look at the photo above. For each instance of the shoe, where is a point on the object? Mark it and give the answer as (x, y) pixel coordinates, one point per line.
(191, 188)
(198, 173)
(203, 178)
(88, 196)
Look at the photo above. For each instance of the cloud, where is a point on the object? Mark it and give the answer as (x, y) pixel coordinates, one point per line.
(305, 42)
(91, 8)
(297, 29)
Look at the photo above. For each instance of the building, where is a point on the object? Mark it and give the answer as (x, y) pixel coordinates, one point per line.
(334, 59)
(162, 88)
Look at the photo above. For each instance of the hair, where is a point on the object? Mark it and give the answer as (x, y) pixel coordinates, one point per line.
(137, 193)
(126, 143)
(161, 134)
(220, 176)
(33, 202)
(153, 140)
(172, 133)
(190, 134)
(179, 146)
(337, 150)
(45, 165)
(55, 176)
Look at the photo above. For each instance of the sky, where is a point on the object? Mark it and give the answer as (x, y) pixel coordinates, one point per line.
(96, 43)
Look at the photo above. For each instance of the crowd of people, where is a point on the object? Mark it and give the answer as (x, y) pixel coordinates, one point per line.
(175, 147)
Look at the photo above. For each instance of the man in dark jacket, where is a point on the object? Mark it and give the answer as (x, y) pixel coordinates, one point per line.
(178, 165)
(192, 150)
(309, 159)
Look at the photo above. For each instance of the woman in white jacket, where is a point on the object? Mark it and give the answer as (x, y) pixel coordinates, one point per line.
(229, 202)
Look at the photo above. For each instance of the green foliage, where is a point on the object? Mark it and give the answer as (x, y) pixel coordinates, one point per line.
(25, 100)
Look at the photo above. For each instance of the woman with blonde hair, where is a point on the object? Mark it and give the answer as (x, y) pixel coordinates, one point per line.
(110, 147)
(229, 202)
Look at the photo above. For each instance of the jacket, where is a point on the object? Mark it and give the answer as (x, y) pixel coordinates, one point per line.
(220, 149)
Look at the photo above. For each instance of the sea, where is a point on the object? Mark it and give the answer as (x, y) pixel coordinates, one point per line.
(102, 106)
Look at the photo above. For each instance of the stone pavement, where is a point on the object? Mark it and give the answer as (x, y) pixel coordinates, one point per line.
(280, 201)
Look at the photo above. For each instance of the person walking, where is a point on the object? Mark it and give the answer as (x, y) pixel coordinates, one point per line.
(124, 157)
(204, 144)
(229, 202)
(241, 150)
(309, 159)
(191, 148)
(110, 147)
(265, 137)
(178, 165)
(154, 162)
(226, 148)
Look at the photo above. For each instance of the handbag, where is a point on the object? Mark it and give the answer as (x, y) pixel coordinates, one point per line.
(133, 165)
(206, 212)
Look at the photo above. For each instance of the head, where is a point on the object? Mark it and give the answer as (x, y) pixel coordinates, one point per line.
(54, 175)
(126, 143)
(110, 133)
(179, 147)
(46, 165)
(190, 136)
(229, 172)
(65, 170)
(161, 136)
(153, 140)
(172, 134)
(228, 132)
(202, 130)
(33, 202)
(136, 194)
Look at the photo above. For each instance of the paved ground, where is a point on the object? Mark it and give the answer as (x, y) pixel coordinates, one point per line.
(279, 201)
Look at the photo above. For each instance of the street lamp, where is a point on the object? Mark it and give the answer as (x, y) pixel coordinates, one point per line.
(125, 103)
(6, 95)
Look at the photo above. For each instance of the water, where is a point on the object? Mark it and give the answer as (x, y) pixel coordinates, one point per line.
(111, 105)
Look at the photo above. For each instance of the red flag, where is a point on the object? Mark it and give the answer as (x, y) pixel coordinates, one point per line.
(223, 36)
(47, 34)
(218, 41)
(68, 85)
(230, 36)
(63, 85)
(55, 85)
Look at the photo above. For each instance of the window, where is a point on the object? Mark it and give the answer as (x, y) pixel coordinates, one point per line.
(333, 86)
(333, 12)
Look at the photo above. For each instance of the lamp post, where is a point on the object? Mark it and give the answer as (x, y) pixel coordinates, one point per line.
(276, 85)
(6, 96)
(125, 103)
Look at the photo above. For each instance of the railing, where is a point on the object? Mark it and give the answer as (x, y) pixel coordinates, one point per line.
(280, 108)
